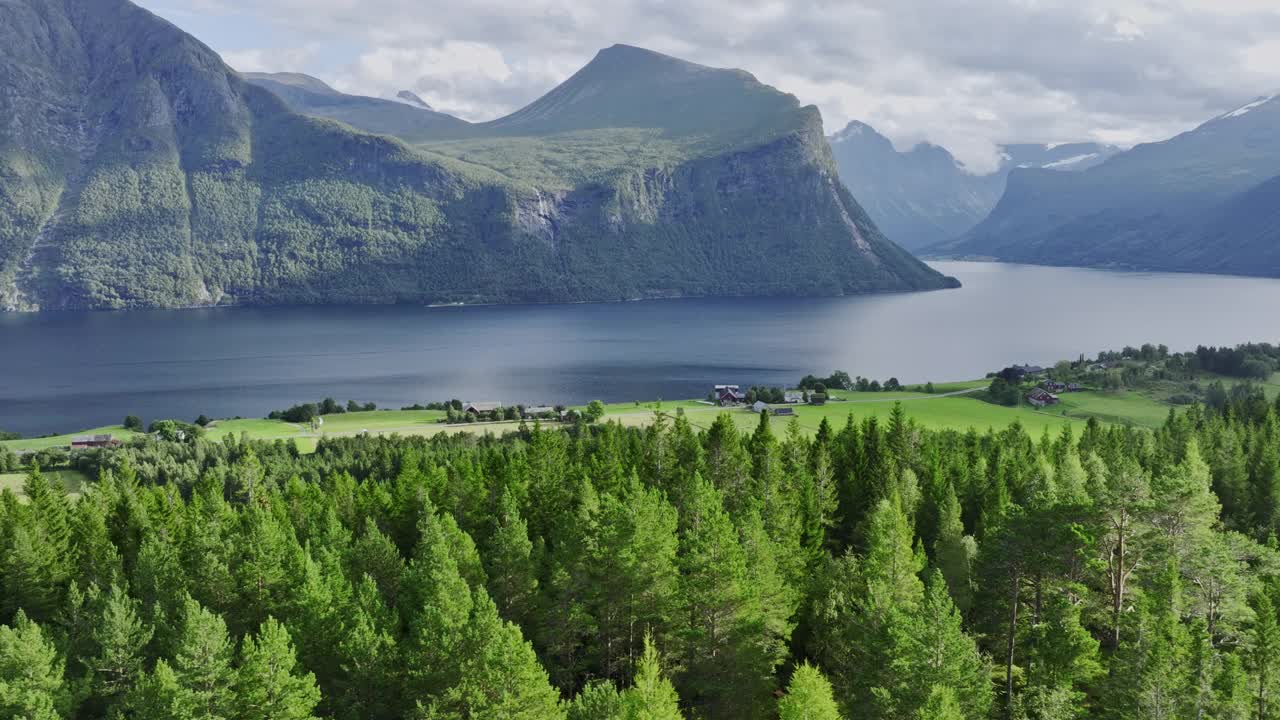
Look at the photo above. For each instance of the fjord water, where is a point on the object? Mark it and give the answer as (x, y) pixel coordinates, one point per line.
(60, 372)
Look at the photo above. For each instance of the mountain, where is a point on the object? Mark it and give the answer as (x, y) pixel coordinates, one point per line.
(1195, 202)
(312, 96)
(924, 195)
(138, 170)
(412, 99)
(1070, 157)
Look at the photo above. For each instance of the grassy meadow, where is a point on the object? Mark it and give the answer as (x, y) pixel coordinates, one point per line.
(72, 480)
(952, 406)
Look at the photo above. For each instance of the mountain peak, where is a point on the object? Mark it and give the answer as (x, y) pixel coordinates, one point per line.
(855, 129)
(413, 99)
(630, 87)
(297, 80)
(1248, 107)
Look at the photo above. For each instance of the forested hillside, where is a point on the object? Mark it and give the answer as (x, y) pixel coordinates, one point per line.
(874, 571)
(137, 170)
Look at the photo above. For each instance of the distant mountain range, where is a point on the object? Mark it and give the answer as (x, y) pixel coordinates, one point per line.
(1204, 201)
(138, 170)
(924, 196)
(406, 117)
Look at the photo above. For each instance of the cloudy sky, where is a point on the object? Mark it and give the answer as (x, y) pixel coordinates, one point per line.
(965, 74)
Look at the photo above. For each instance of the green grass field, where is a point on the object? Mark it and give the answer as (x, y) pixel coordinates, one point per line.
(72, 480)
(958, 413)
(1126, 407)
(936, 411)
(65, 440)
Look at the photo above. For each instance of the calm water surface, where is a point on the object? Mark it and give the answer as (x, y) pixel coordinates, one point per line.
(63, 371)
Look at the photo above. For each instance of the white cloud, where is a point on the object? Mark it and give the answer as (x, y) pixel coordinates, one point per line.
(271, 60)
(455, 77)
(966, 75)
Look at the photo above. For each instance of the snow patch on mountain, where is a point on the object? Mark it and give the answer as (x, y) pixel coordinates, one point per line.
(1073, 160)
(1244, 109)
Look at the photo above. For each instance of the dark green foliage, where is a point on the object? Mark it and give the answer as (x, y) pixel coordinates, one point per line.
(541, 575)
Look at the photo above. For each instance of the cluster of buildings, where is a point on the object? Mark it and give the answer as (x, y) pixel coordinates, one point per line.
(1046, 393)
(734, 396)
(497, 410)
(85, 442)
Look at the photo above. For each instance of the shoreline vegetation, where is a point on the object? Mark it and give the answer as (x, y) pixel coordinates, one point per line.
(1135, 386)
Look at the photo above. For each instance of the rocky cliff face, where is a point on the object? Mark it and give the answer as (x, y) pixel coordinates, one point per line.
(924, 196)
(136, 170)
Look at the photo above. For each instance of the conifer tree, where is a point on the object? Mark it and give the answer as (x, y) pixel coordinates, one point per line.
(633, 568)
(891, 568)
(954, 551)
(728, 467)
(1184, 509)
(97, 561)
(941, 705)
(809, 697)
(29, 573)
(1063, 658)
(510, 564)
(1124, 528)
(202, 665)
(264, 566)
(375, 555)
(772, 602)
(437, 607)
(651, 696)
(270, 685)
(930, 648)
(599, 700)
(497, 674)
(31, 684)
(120, 639)
(1262, 655)
(369, 672)
(717, 678)
(565, 621)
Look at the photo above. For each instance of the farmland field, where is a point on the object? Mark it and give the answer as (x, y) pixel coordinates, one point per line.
(72, 480)
(936, 411)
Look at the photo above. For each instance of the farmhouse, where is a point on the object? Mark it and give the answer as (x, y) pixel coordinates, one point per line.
(482, 408)
(759, 407)
(1021, 371)
(729, 395)
(539, 412)
(82, 442)
(1041, 397)
(793, 397)
(1053, 386)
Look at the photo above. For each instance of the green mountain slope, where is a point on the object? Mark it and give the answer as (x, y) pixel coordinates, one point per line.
(137, 170)
(1173, 205)
(312, 96)
(924, 196)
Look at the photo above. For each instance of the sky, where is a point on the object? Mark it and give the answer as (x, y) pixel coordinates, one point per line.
(964, 74)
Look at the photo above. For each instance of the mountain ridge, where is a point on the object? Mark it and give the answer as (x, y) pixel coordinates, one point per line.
(1158, 206)
(924, 195)
(146, 173)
